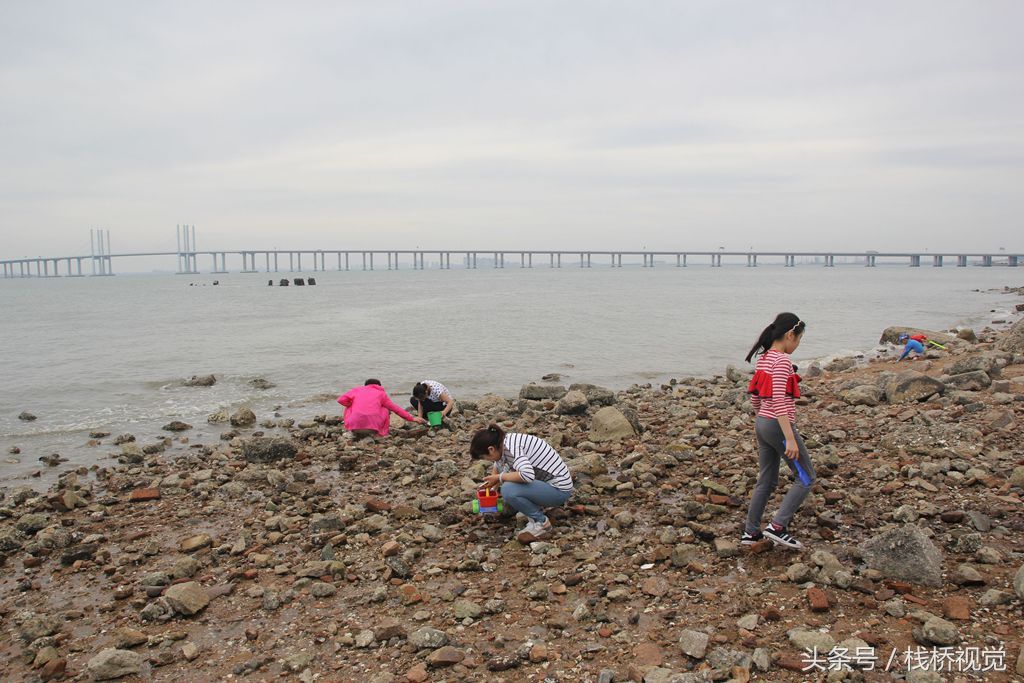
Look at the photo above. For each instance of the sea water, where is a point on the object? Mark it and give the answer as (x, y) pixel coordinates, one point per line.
(109, 353)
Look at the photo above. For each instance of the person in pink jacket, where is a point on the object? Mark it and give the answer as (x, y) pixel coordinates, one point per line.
(368, 408)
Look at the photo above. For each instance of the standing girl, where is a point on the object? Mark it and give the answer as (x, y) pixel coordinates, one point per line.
(773, 391)
(531, 474)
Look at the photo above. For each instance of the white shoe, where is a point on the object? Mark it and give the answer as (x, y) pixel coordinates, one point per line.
(534, 531)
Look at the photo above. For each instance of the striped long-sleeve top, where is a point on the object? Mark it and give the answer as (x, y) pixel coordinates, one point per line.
(774, 388)
(534, 459)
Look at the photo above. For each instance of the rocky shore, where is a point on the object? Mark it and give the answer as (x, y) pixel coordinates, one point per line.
(289, 551)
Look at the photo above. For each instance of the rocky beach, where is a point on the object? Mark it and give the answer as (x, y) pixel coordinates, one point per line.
(284, 550)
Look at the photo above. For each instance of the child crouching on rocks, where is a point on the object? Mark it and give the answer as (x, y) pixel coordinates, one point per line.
(530, 472)
(773, 393)
(368, 410)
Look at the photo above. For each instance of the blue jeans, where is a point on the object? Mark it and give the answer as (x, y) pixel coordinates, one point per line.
(530, 498)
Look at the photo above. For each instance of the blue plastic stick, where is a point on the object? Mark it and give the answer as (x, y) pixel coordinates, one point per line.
(800, 471)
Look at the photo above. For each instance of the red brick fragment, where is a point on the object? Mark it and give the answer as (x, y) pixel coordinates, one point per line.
(817, 599)
(957, 607)
(143, 495)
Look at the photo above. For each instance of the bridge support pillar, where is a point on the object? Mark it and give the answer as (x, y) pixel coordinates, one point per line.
(937, 261)
(986, 261)
(915, 261)
(1011, 261)
(529, 260)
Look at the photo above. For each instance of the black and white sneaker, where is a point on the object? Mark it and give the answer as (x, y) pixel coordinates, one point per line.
(751, 539)
(781, 537)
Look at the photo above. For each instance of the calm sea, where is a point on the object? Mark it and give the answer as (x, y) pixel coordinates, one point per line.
(109, 353)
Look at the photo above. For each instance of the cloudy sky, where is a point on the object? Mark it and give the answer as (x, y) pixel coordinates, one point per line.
(548, 124)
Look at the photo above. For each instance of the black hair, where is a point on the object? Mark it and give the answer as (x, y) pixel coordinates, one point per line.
(493, 436)
(419, 391)
(371, 381)
(783, 323)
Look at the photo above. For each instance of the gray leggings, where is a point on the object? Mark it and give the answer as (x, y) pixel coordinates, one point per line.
(770, 450)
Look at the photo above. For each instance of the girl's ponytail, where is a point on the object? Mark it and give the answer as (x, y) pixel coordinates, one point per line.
(783, 323)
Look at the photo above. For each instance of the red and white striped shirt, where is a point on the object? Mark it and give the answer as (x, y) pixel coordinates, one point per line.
(780, 366)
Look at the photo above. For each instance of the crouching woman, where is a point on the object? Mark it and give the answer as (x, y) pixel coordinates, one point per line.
(531, 474)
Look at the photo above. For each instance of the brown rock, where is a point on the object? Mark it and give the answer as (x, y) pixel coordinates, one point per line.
(817, 599)
(655, 586)
(445, 656)
(390, 549)
(417, 674)
(143, 495)
(376, 505)
(791, 663)
(193, 543)
(956, 607)
(53, 669)
(648, 654)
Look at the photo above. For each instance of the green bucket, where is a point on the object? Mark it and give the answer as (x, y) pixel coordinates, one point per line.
(434, 419)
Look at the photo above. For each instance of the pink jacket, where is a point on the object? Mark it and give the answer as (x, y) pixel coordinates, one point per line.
(368, 407)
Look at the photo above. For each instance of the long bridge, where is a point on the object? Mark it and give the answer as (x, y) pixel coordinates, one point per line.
(316, 260)
(100, 261)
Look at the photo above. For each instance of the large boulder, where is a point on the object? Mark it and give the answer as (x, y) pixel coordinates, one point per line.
(911, 386)
(573, 403)
(864, 395)
(596, 396)
(111, 663)
(200, 381)
(892, 335)
(492, 403)
(906, 554)
(268, 449)
(1013, 339)
(609, 424)
(542, 392)
(975, 362)
(970, 381)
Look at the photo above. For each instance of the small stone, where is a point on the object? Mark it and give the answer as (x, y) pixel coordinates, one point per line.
(806, 640)
(190, 651)
(176, 426)
(187, 598)
(655, 586)
(693, 643)
(445, 656)
(194, 543)
(464, 609)
(111, 663)
(243, 417)
(726, 547)
(427, 637)
(26, 416)
(938, 631)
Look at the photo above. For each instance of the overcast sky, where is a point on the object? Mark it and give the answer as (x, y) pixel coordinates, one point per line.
(665, 125)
